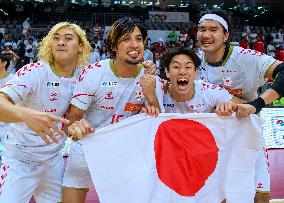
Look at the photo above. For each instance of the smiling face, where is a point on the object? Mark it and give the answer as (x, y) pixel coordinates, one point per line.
(65, 46)
(211, 36)
(181, 72)
(130, 49)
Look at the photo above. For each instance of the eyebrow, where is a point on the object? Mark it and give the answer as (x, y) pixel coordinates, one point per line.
(180, 63)
(67, 34)
(210, 26)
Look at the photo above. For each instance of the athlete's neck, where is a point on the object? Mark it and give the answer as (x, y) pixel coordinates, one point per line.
(64, 69)
(216, 56)
(125, 70)
(3, 73)
(183, 97)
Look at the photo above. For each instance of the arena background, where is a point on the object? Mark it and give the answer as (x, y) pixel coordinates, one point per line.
(249, 19)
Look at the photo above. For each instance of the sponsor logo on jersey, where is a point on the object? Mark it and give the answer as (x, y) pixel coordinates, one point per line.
(169, 105)
(109, 95)
(227, 82)
(207, 86)
(195, 106)
(228, 71)
(139, 96)
(53, 96)
(49, 110)
(107, 107)
(235, 92)
(108, 83)
(132, 107)
(52, 84)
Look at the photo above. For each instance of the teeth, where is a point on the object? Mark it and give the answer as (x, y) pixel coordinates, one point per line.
(182, 80)
(133, 52)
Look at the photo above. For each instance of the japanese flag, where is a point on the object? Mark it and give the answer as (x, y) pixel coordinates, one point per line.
(175, 158)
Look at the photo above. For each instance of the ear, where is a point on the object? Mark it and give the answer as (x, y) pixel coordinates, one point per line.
(196, 73)
(80, 48)
(167, 73)
(226, 37)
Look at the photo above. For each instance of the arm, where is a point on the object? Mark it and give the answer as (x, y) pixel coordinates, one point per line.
(274, 92)
(40, 122)
(148, 83)
(78, 127)
(270, 70)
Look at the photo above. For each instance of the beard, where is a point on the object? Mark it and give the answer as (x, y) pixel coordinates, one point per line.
(132, 62)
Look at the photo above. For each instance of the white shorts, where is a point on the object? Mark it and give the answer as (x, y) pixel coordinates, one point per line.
(20, 180)
(262, 176)
(77, 174)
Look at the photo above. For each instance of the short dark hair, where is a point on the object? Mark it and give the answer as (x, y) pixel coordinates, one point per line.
(7, 58)
(178, 51)
(222, 14)
(123, 27)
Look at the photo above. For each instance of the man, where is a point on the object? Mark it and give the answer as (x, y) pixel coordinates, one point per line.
(242, 72)
(184, 94)
(106, 92)
(34, 101)
(5, 76)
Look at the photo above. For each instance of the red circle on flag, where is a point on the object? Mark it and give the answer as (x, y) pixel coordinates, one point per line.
(186, 155)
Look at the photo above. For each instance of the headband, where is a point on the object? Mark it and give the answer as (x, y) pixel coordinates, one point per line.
(215, 17)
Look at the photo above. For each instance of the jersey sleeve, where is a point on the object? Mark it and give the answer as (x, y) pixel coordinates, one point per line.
(20, 87)
(160, 92)
(256, 64)
(86, 88)
(216, 93)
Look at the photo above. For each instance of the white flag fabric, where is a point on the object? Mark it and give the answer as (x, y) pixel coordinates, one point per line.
(175, 158)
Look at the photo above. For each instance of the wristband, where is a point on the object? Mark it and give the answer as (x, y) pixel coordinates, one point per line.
(258, 104)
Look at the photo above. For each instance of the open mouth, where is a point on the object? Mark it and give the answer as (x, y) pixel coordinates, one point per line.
(133, 53)
(182, 82)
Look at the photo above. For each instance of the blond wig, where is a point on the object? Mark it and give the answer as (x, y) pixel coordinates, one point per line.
(45, 53)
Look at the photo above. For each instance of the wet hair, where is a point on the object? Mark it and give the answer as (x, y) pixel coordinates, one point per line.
(222, 14)
(7, 58)
(45, 53)
(121, 28)
(181, 51)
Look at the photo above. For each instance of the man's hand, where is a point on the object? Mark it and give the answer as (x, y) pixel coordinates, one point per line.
(244, 110)
(150, 67)
(79, 129)
(42, 123)
(150, 110)
(148, 83)
(226, 108)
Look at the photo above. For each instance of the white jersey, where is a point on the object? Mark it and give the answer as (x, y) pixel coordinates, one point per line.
(206, 97)
(4, 126)
(242, 73)
(106, 98)
(5, 80)
(36, 86)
